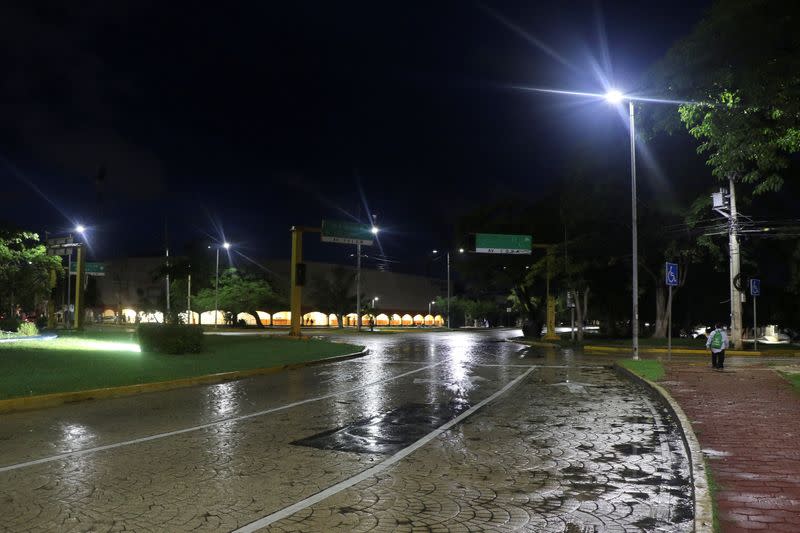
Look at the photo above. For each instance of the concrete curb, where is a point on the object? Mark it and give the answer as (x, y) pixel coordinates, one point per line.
(703, 504)
(540, 344)
(51, 400)
(687, 351)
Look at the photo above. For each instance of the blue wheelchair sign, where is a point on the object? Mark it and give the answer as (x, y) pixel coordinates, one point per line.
(672, 274)
(755, 287)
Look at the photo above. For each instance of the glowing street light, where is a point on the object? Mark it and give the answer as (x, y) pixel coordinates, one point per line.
(80, 228)
(434, 251)
(375, 230)
(614, 96)
(227, 246)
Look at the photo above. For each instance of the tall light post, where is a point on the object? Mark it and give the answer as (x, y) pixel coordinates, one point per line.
(614, 96)
(227, 246)
(461, 251)
(375, 231)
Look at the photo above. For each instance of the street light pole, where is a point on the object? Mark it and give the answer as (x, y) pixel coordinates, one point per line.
(216, 291)
(225, 245)
(634, 238)
(448, 290)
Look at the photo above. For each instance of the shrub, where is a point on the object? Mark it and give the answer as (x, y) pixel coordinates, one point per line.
(28, 329)
(9, 324)
(170, 338)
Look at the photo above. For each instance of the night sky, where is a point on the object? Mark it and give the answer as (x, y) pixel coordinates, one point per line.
(245, 118)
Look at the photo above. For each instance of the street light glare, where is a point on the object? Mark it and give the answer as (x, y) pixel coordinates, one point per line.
(435, 251)
(614, 96)
(80, 228)
(226, 245)
(375, 230)
(461, 250)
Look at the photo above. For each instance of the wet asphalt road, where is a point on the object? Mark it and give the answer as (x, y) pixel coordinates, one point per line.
(430, 432)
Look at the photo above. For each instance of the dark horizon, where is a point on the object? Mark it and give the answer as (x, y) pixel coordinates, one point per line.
(241, 124)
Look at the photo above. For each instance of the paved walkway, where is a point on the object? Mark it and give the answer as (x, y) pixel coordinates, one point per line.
(747, 420)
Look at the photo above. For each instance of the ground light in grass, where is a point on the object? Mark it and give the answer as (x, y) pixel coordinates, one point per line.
(646, 368)
(79, 344)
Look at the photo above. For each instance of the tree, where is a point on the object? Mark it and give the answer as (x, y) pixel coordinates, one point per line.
(24, 270)
(335, 293)
(238, 291)
(740, 69)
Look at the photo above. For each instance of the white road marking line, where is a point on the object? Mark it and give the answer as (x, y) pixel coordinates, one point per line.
(157, 436)
(370, 472)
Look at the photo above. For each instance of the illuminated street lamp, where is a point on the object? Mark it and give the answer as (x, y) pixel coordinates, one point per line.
(429, 306)
(614, 96)
(227, 246)
(434, 251)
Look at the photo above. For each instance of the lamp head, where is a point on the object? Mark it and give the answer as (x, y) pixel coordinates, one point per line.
(614, 96)
(80, 228)
(435, 251)
(375, 230)
(226, 245)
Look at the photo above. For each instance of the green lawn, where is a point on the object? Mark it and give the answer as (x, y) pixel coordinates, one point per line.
(792, 378)
(647, 368)
(107, 359)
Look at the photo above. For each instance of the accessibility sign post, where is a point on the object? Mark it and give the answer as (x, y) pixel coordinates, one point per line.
(672, 281)
(755, 292)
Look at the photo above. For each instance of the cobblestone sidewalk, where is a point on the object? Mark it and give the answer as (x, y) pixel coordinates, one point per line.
(747, 420)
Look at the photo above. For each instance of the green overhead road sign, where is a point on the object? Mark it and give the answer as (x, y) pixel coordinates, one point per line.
(495, 243)
(91, 269)
(346, 233)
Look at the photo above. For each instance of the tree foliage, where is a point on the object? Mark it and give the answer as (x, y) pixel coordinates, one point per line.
(335, 293)
(24, 270)
(238, 292)
(740, 69)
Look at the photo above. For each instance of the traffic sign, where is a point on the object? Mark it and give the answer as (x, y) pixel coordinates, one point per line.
(496, 243)
(672, 274)
(346, 232)
(90, 269)
(755, 287)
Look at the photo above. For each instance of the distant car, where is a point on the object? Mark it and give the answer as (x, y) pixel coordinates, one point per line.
(700, 331)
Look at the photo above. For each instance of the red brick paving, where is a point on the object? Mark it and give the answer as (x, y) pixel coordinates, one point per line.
(753, 415)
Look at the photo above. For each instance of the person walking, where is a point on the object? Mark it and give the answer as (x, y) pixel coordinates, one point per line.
(717, 342)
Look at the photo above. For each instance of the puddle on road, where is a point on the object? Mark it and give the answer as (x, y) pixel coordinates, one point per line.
(633, 448)
(388, 432)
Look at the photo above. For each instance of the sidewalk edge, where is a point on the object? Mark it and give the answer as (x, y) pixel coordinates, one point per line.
(26, 403)
(703, 505)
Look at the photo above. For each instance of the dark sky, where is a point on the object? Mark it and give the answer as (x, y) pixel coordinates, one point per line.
(249, 117)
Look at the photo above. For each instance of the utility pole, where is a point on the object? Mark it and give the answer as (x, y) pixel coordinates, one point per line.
(724, 203)
(735, 268)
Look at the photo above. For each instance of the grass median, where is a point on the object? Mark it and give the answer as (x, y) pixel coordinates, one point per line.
(646, 368)
(98, 360)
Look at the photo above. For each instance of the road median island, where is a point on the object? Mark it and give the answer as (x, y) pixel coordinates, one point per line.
(640, 371)
(76, 368)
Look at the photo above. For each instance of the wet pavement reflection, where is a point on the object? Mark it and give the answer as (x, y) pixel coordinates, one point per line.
(571, 447)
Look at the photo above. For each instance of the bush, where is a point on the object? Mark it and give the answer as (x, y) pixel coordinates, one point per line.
(9, 324)
(28, 329)
(170, 338)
